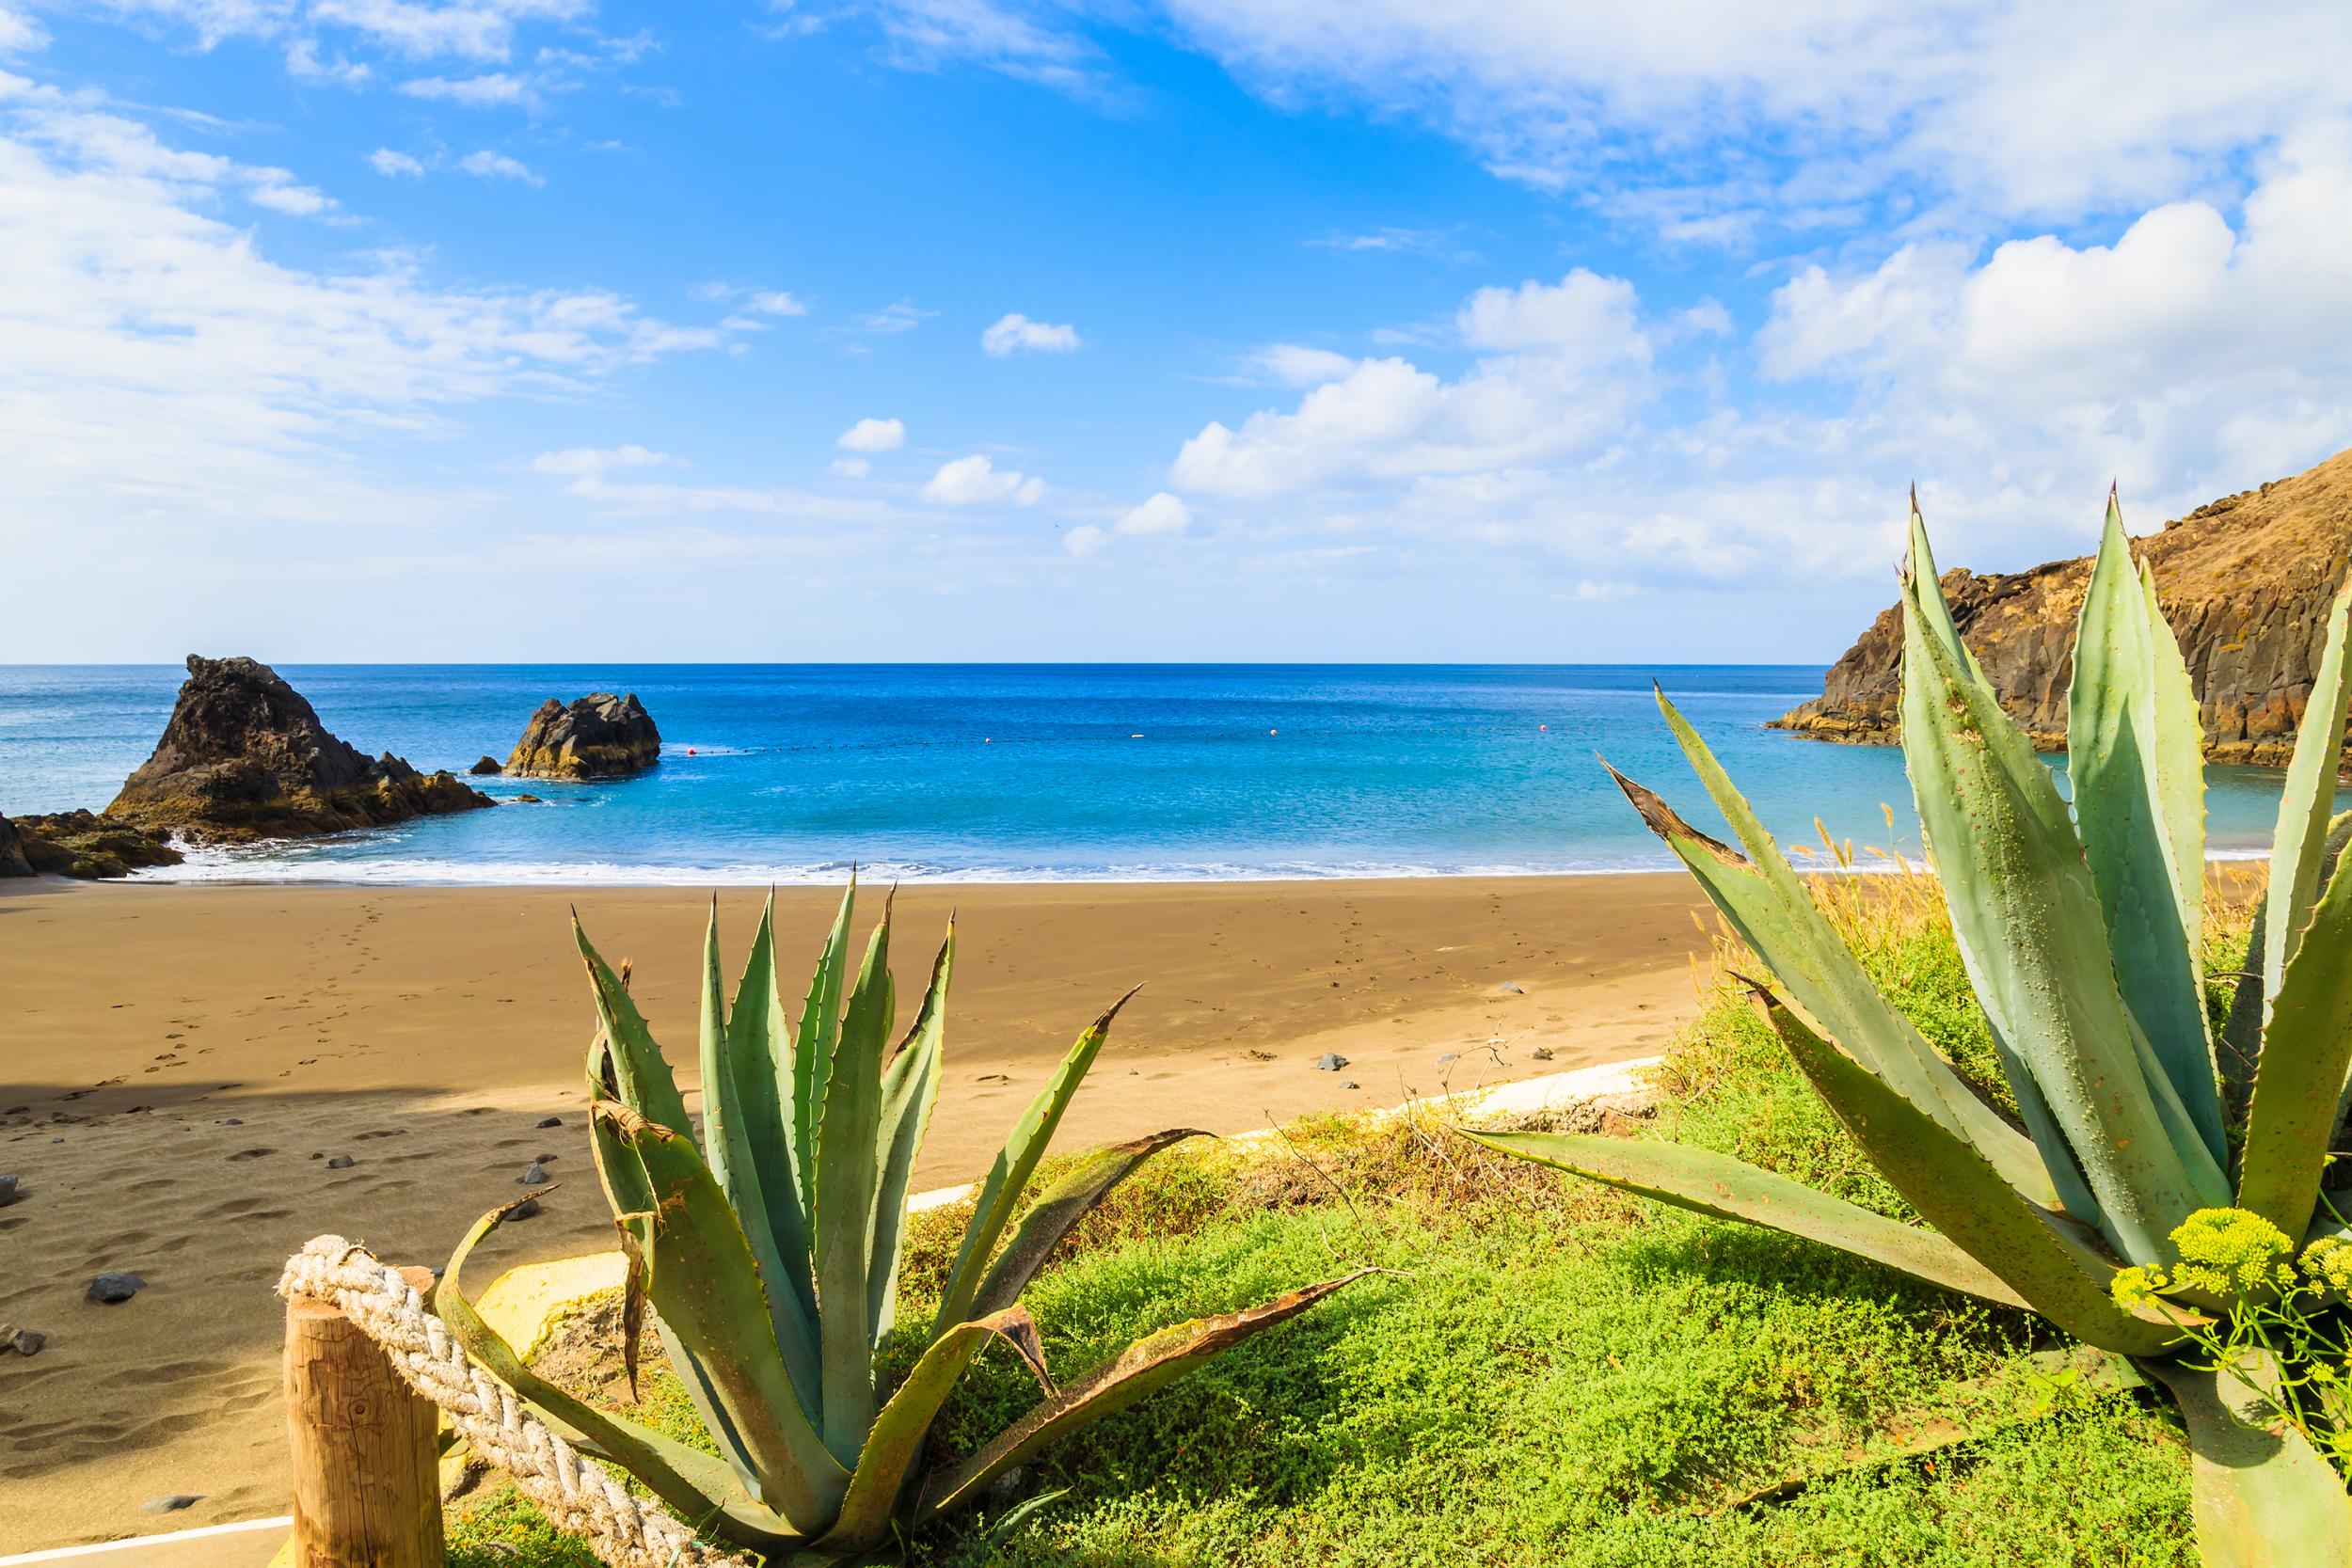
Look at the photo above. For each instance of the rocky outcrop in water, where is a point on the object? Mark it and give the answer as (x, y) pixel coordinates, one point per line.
(2245, 581)
(596, 737)
(12, 860)
(93, 847)
(245, 756)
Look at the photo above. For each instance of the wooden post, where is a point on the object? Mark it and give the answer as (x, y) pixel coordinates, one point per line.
(366, 1483)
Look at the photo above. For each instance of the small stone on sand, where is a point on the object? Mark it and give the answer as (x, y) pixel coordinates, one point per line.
(550, 1121)
(341, 1161)
(112, 1287)
(1449, 1056)
(172, 1504)
(8, 1190)
(1541, 1053)
(532, 1175)
(1330, 1061)
(1350, 1083)
(25, 1341)
(1513, 986)
(524, 1209)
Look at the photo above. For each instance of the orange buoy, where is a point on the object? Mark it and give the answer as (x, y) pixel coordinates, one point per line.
(1274, 732)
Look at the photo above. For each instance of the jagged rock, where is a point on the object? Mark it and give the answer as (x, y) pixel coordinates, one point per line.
(533, 1174)
(484, 767)
(1330, 1061)
(25, 1341)
(12, 860)
(245, 756)
(2245, 581)
(85, 845)
(596, 736)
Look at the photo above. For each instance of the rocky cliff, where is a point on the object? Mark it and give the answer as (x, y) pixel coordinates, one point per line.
(2245, 581)
(596, 737)
(245, 756)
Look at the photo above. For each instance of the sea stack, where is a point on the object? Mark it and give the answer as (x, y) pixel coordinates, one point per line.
(596, 737)
(245, 756)
(2245, 581)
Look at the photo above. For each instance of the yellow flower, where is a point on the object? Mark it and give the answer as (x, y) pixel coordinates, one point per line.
(2130, 1287)
(2328, 1262)
(2231, 1253)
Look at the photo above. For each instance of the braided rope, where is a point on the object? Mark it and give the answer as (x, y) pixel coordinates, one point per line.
(576, 1495)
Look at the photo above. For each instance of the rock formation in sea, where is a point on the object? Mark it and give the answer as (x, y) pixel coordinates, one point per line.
(2245, 581)
(12, 860)
(86, 845)
(596, 737)
(245, 756)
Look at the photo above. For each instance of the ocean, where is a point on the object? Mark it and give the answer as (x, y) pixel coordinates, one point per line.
(790, 774)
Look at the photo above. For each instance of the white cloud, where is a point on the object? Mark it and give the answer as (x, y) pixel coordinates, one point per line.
(976, 480)
(1568, 365)
(304, 64)
(871, 435)
(774, 302)
(1296, 365)
(390, 164)
(1015, 332)
(851, 468)
(1086, 539)
(20, 34)
(487, 165)
(577, 462)
(1162, 514)
(474, 92)
(905, 316)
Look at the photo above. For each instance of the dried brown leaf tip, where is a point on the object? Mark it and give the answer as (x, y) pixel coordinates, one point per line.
(1668, 823)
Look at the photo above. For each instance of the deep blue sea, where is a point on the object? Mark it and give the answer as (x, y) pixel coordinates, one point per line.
(1025, 773)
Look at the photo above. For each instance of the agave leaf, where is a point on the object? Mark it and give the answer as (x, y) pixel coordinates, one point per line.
(1148, 1364)
(691, 1482)
(2265, 1497)
(2307, 1050)
(2135, 754)
(897, 1441)
(2034, 941)
(1707, 1182)
(759, 1070)
(1774, 914)
(640, 1072)
(1060, 1207)
(738, 1117)
(2242, 1032)
(705, 1292)
(812, 1048)
(1956, 1190)
(847, 1171)
(909, 1089)
(1000, 1193)
(2298, 848)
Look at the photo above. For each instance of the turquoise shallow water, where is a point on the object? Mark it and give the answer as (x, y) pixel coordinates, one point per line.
(996, 772)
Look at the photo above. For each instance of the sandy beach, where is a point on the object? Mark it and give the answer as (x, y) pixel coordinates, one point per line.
(179, 1064)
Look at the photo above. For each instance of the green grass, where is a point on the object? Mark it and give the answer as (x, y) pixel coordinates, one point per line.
(1554, 1373)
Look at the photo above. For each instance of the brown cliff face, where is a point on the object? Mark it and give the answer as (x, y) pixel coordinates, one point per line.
(2245, 581)
(245, 756)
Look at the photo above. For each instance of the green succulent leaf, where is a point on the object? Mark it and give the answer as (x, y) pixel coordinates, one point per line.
(1962, 1196)
(910, 1090)
(1148, 1364)
(2136, 755)
(2033, 938)
(2299, 847)
(694, 1484)
(1707, 1182)
(848, 1172)
(897, 1442)
(1769, 906)
(813, 1044)
(1059, 1207)
(2263, 1496)
(705, 1292)
(640, 1072)
(1000, 1192)
(2306, 1054)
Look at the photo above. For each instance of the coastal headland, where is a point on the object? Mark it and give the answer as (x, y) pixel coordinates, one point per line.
(182, 1068)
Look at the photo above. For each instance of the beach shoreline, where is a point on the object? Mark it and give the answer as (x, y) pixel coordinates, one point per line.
(178, 1063)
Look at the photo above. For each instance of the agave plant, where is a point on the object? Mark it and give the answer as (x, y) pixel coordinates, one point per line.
(2081, 933)
(769, 1249)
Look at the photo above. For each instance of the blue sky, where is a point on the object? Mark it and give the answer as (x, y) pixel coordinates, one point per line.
(1261, 329)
